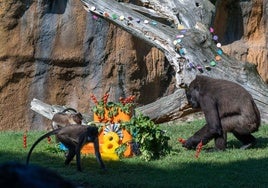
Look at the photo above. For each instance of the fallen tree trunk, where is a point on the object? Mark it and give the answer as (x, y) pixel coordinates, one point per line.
(168, 114)
(181, 31)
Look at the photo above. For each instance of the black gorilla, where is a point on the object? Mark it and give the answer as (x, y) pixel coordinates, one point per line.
(227, 107)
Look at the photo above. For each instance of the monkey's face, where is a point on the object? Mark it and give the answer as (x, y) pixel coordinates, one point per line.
(77, 118)
(192, 95)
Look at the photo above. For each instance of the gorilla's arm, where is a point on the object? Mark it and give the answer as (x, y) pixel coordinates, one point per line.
(210, 109)
(213, 127)
(192, 142)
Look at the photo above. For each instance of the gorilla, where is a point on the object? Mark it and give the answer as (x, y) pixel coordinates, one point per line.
(227, 107)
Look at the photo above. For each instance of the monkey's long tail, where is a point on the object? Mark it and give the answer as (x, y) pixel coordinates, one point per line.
(38, 140)
(69, 109)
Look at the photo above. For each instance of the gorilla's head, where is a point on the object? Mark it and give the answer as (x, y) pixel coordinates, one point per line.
(192, 94)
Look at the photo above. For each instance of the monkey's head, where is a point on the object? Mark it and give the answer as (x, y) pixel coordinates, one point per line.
(92, 133)
(77, 118)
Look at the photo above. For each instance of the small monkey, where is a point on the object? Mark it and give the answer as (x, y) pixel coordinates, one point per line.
(74, 137)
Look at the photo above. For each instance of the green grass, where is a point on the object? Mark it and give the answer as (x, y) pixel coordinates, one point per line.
(231, 168)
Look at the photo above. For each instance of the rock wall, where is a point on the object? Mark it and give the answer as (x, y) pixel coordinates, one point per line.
(56, 52)
(242, 28)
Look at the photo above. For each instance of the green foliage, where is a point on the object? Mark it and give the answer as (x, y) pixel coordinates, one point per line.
(120, 150)
(112, 109)
(125, 105)
(99, 110)
(126, 108)
(152, 140)
(53, 148)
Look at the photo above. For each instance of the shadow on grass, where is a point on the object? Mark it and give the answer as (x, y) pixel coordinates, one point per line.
(134, 172)
(261, 143)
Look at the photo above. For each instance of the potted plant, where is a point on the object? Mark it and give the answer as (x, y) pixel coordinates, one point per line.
(112, 114)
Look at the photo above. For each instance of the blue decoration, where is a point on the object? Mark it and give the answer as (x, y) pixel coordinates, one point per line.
(154, 23)
(62, 147)
(182, 51)
(219, 51)
(215, 37)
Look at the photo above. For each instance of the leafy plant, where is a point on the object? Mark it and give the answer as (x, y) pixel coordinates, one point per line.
(100, 106)
(152, 140)
(53, 148)
(126, 104)
(120, 150)
(112, 109)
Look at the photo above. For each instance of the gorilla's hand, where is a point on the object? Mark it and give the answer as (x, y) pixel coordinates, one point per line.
(191, 143)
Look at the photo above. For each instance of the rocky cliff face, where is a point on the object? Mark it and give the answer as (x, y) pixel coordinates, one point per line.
(57, 52)
(242, 28)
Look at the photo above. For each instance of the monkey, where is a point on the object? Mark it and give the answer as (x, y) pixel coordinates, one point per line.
(227, 107)
(74, 137)
(61, 119)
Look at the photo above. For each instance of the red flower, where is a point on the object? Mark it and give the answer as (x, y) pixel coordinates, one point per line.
(49, 140)
(94, 99)
(105, 98)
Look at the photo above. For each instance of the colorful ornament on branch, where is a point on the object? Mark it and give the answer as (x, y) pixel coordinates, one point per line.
(211, 29)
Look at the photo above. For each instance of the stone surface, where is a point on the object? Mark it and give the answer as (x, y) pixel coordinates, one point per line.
(242, 28)
(57, 52)
(60, 54)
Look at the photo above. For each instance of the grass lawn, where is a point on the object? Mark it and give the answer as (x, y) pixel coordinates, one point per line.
(231, 168)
